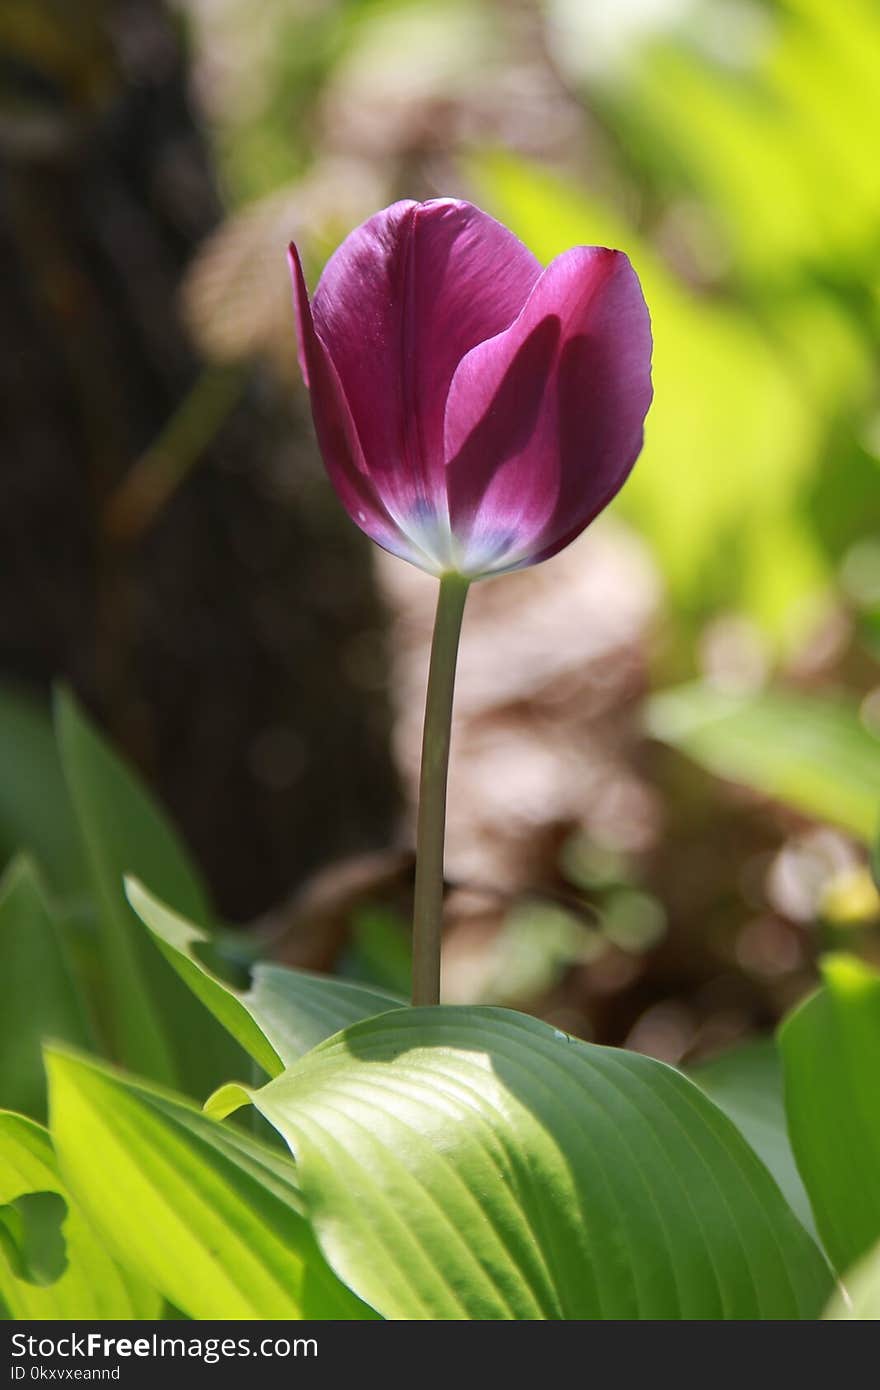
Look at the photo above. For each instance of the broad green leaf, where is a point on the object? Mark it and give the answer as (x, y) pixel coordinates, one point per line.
(746, 1083)
(831, 1054)
(283, 1014)
(35, 811)
(813, 754)
(206, 1215)
(40, 995)
(859, 1298)
(475, 1163)
(58, 1269)
(155, 1025)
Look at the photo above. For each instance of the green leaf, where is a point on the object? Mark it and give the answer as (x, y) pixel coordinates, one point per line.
(52, 1265)
(475, 1163)
(380, 949)
(284, 1013)
(746, 1083)
(859, 1299)
(155, 1025)
(813, 754)
(35, 811)
(30, 1231)
(831, 1054)
(208, 1216)
(40, 996)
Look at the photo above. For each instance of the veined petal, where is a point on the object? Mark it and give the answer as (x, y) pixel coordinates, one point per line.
(401, 301)
(544, 422)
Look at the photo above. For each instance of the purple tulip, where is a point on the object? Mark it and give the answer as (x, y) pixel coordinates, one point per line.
(474, 411)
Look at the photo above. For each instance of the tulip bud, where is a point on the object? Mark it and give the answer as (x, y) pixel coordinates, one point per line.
(475, 413)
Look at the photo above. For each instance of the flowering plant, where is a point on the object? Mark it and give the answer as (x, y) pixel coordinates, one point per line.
(417, 1161)
(475, 413)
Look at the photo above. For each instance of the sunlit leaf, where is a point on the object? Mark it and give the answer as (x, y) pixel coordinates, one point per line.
(814, 754)
(859, 1298)
(283, 1014)
(69, 1274)
(208, 1216)
(41, 998)
(475, 1163)
(831, 1053)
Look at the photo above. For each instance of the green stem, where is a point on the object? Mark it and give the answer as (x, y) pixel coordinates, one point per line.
(428, 912)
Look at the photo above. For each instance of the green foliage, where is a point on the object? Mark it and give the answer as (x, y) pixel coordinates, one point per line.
(210, 1218)
(859, 1298)
(35, 811)
(381, 951)
(816, 755)
(52, 1264)
(474, 1163)
(30, 1229)
(780, 149)
(746, 1083)
(831, 1052)
(40, 995)
(154, 1023)
(283, 1014)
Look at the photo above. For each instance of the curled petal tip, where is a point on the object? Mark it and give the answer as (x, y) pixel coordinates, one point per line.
(301, 308)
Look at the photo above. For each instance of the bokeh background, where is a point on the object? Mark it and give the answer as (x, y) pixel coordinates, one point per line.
(666, 768)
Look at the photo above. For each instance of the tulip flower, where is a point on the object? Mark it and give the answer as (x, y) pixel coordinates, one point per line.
(475, 413)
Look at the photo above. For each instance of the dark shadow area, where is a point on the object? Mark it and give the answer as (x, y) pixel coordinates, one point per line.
(234, 648)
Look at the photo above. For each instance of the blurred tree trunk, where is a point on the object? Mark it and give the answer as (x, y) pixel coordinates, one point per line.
(234, 648)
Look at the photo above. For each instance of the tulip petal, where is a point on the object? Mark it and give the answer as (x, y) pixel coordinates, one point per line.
(401, 301)
(544, 422)
(335, 428)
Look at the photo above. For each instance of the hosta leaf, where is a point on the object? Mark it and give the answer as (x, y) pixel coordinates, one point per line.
(831, 1054)
(475, 1163)
(813, 754)
(156, 1026)
(746, 1083)
(66, 1273)
(40, 995)
(859, 1299)
(207, 1215)
(283, 1014)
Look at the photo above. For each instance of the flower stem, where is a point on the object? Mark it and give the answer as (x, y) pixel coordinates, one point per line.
(428, 912)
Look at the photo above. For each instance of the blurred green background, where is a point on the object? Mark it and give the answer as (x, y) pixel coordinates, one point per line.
(668, 770)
